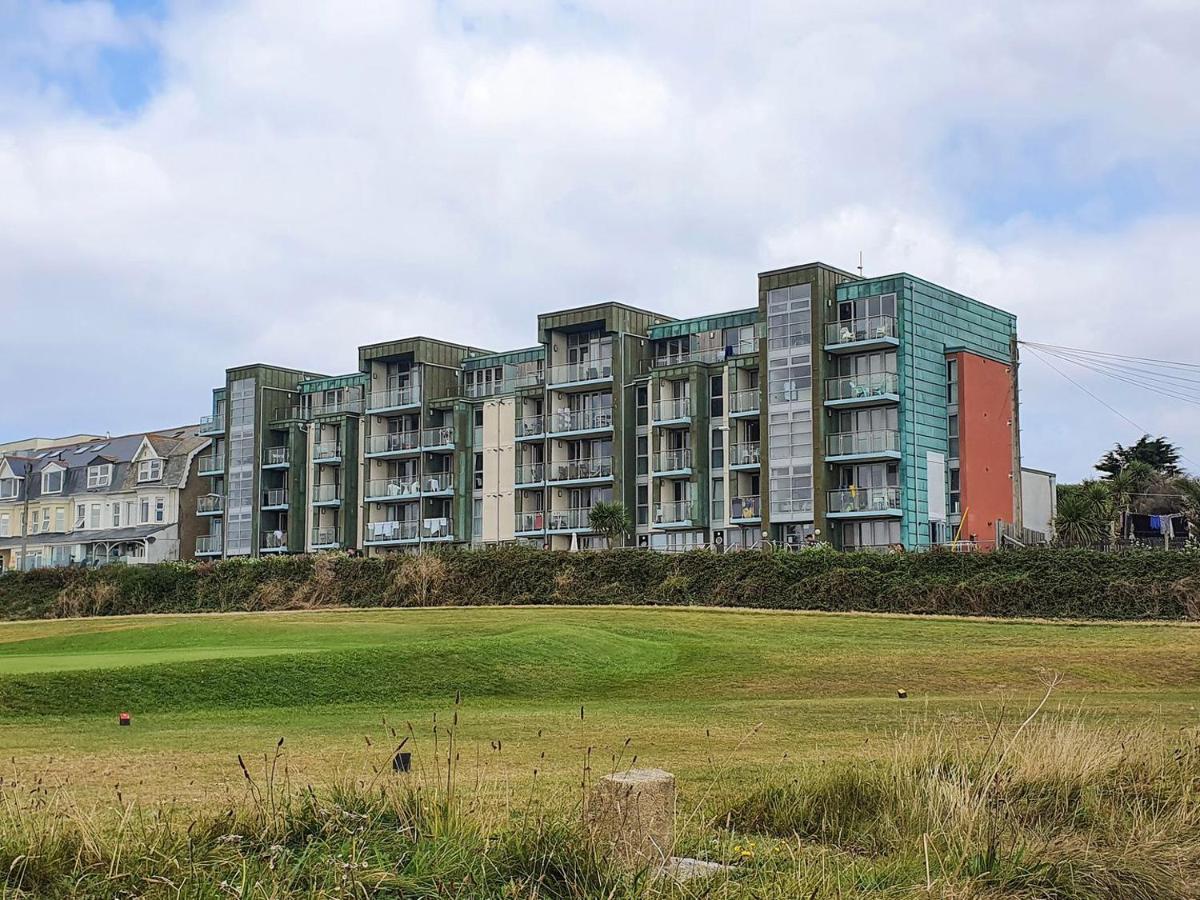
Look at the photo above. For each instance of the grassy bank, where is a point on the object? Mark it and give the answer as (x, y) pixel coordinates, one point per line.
(1048, 809)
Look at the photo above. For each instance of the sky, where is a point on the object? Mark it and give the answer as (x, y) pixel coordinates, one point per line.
(187, 186)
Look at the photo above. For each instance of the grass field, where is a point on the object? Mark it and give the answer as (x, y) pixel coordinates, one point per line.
(699, 692)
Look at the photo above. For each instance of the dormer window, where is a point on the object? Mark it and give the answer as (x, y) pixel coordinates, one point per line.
(149, 470)
(99, 476)
(9, 487)
(52, 481)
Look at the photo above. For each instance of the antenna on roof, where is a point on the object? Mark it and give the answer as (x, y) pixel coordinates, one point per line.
(860, 267)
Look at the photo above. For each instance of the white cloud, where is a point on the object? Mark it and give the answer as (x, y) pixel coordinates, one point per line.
(314, 176)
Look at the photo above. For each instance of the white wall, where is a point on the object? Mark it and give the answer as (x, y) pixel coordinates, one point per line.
(1039, 500)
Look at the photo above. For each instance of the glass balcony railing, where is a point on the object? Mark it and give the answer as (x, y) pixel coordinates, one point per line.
(210, 504)
(442, 436)
(567, 519)
(857, 331)
(275, 456)
(582, 469)
(211, 464)
(394, 398)
(275, 497)
(273, 540)
(326, 536)
(744, 454)
(674, 512)
(863, 499)
(327, 493)
(745, 508)
(437, 483)
(530, 521)
(713, 355)
(386, 532)
(436, 529)
(674, 460)
(352, 405)
(672, 410)
(587, 370)
(581, 420)
(327, 450)
(745, 401)
(394, 442)
(853, 443)
(402, 487)
(531, 473)
(212, 425)
(531, 426)
(208, 544)
(862, 387)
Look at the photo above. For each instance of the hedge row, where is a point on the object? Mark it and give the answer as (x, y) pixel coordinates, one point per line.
(1043, 583)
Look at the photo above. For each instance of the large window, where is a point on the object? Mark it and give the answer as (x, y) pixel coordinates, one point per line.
(52, 481)
(789, 402)
(9, 488)
(99, 476)
(870, 535)
(239, 492)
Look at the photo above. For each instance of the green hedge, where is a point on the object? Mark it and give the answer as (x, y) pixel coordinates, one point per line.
(1044, 583)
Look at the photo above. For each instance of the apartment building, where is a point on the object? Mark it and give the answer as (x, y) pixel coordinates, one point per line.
(869, 412)
(108, 499)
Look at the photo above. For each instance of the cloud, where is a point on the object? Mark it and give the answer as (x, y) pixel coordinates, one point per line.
(302, 178)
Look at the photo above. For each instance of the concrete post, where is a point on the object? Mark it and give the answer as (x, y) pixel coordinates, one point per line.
(633, 812)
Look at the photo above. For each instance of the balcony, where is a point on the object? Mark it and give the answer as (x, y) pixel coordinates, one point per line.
(391, 490)
(580, 374)
(861, 446)
(674, 514)
(744, 402)
(745, 509)
(478, 391)
(326, 537)
(327, 452)
(438, 484)
(531, 475)
(390, 532)
(862, 390)
(211, 464)
(676, 462)
(276, 458)
(863, 502)
(210, 425)
(395, 443)
(436, 529)
(275, 498)
(530, 522)
(708, 357)
(855, 335)
(208, 545)
(440, 438)
(273, 542)
(210, 505)
(394, 398)
(745, 455)
(531, 428)
(580, 421)
(568, 520)
(287, 413)
(596, 468)
(327, 495)
(677, 411)
(348, 406)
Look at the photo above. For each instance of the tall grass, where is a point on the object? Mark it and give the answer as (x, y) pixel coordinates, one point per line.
(1053, 809)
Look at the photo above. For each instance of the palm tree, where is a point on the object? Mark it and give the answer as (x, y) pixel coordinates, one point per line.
(1085, 515)
(611, 520)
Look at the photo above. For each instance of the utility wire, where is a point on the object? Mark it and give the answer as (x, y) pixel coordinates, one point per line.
(1161, 390)
(1125, 368)
(1141, 359)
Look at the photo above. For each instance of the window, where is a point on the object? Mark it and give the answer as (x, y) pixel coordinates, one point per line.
(955, 492)
(718, 448)
(60, 519)
(145, 510)
(150, 470)
(80, 515)
(116, 515)
(5, 524)
(46, 519)
(718, 500)
(94, 518)
(130, 512)
(643, 455)
(31, 526)
(953, 445)
(952, 381)
(643, 504)
(9, 487)
(716, 401)
(99, 476)
(643, 400)
(160, 509)
(52, 481)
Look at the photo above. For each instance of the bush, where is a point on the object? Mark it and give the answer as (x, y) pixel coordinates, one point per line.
(1049, 583)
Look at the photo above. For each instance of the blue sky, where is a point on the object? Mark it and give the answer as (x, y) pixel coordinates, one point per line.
(193, 185)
